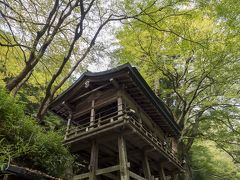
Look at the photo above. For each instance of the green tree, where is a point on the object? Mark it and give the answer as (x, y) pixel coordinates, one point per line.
(65, 31)
(192, 56)
(208, 162)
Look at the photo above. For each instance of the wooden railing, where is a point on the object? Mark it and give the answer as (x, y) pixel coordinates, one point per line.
(156, 141)
(109, 118)
(130, 118)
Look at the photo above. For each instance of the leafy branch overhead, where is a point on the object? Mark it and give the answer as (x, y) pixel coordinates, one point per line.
(59, 30)
(188, 52)
(191, 58)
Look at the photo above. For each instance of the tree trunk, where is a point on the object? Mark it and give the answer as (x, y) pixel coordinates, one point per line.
(13, 83)
(43, 108)
(20, 84)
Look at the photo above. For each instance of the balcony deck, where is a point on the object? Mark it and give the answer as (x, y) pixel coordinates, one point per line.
(133, 131)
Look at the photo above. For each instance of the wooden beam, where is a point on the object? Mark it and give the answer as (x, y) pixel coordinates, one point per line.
(124, 172)
(108, 170)
(93, 161)
(81, 176)
(105, 172)
(89, 92)
(135, 176)
(146, 167)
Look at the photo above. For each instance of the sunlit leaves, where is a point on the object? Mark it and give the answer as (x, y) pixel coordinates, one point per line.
(193, 53)
(210, 163)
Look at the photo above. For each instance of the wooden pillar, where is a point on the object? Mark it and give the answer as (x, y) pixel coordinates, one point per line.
(120, 105)
(5, 177)
(162, 173)
(123, 161)
(93, 161)
(68, 122)
(92, 115)
(146, 167)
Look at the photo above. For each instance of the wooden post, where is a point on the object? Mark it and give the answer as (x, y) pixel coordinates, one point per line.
(146, 167)
(120, 105)
(69, 118)
(162, 173)
(68, 123)
(92, 118)
(5, 177)
(124, 172)
(93, 161)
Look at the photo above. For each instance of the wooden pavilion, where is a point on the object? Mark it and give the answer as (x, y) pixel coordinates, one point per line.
(119, 128)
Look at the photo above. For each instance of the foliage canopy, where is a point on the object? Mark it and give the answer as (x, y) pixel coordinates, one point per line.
(188, 52)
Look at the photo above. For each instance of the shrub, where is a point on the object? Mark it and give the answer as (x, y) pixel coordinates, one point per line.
(24, 142)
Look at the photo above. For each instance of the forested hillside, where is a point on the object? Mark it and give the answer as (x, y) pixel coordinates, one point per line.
(187, 51)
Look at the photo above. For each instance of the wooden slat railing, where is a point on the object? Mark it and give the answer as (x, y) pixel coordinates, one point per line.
(133, 120)
(94, 124)
(155, 140)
